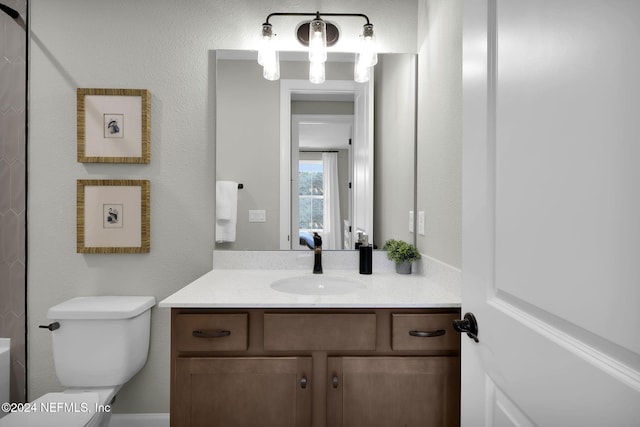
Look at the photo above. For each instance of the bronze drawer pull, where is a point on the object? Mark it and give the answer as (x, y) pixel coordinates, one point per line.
(334, 381)
(303, 383)
(211, 333)
(427, 334)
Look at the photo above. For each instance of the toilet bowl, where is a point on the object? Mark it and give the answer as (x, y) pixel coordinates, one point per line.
(99, 343)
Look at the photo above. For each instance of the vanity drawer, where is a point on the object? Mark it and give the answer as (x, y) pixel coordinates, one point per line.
(424, 332)
(322, 331)
(211, 332)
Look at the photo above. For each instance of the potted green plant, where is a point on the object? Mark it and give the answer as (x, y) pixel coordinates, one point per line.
(402, 253)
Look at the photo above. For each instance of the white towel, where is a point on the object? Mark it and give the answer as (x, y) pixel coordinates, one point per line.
(226, 211)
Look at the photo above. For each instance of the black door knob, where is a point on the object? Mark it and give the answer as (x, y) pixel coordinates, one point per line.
(468, 324)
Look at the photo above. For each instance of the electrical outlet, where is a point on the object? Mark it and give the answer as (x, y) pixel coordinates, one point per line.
(421, 223)
(411, 221)
(257, 215)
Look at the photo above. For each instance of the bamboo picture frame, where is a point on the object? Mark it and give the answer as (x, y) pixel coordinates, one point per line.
(113, 216)
(113, 125)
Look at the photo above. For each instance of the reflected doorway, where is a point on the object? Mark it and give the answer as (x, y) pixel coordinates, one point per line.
(321, 179)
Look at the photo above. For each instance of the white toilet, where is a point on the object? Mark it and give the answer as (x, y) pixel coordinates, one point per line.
(99, 343)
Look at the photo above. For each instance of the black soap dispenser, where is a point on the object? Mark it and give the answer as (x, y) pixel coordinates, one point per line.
(366, 256)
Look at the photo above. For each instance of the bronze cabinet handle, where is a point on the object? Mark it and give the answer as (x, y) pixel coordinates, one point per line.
(211, 333)
(303, 383)
(427, 334)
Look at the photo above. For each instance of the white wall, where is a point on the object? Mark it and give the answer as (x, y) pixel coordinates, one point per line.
(164, 46)
(439, 174)
(248, 149)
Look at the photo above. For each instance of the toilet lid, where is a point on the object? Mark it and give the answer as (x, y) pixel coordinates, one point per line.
(101, 307)
(55, 410)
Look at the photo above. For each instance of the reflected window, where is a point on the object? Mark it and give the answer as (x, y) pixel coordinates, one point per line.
(311, 196)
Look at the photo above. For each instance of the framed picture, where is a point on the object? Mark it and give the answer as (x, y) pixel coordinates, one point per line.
(113, 216)
(113, 125)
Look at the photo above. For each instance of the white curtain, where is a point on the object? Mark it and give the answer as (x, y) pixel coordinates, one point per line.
(331, 238)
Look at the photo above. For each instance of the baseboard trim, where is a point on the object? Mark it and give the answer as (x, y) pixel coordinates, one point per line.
(139, 420)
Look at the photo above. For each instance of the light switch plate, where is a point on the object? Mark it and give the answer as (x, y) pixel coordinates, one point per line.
(411, 221)
(421, 223)
(257, 215)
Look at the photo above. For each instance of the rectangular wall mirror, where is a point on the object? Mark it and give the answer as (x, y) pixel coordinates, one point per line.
(335, 158)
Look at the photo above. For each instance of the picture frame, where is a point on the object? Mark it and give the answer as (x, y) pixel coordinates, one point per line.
(113, 125)
(113, 216)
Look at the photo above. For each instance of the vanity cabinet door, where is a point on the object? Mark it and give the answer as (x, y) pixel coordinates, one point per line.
(242, 391)
(393, 391)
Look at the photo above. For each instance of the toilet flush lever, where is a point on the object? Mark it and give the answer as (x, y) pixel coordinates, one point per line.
(51, 326)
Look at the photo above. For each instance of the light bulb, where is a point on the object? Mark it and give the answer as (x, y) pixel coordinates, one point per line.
(368, 54)
(268, 55)
(266, 48)
(317, 40)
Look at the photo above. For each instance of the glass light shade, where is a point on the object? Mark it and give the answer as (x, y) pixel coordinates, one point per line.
(268, 55)
(368, 53)
(266, 47)
(316, 72)
(317, 41)
(271, 66)
(361, 72)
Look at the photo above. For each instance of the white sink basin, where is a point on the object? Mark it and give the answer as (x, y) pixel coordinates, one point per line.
(318, 284)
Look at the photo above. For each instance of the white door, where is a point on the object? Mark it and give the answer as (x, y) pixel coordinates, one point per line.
(551, 212)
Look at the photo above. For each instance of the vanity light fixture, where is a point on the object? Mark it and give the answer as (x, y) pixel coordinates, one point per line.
(318, 34)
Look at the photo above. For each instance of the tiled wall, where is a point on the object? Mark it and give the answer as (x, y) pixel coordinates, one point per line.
(13, 72)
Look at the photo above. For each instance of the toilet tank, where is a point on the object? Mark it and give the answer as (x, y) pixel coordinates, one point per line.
(102, 340)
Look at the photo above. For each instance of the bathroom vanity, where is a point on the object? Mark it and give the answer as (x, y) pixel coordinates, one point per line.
(382, 352)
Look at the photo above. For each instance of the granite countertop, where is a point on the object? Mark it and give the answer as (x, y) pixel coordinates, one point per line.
(251, 288)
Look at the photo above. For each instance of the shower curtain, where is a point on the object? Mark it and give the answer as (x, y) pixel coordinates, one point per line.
(331, 233)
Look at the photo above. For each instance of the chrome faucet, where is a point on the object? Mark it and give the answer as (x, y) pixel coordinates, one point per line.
(317, 257)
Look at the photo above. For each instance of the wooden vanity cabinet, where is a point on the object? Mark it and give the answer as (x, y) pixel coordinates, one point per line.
(391, 391)
(242, 391)
(315, 368)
